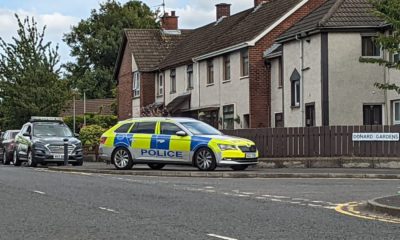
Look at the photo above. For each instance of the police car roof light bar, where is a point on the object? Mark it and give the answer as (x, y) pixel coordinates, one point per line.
(46, 119)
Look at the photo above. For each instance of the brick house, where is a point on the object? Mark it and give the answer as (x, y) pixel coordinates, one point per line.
(317, 76)
(216, 73)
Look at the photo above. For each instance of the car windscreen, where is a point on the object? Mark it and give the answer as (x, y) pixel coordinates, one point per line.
(51, 130)
(200, 128)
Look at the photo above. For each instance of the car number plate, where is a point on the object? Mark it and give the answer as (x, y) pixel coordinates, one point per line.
(251, 155)
(58, 156)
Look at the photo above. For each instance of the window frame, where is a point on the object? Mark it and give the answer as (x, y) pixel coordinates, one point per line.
(137, 125)
(210, 72)
(189, 74)
(376, 47)
(224, 119)
(394, 121)
(172, 76)
(226, 61)
(244, 63)
(136, 84)
(160, 85)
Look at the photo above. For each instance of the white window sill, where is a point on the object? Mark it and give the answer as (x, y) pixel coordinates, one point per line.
(376, 57)
(244, 77)
(210, 84)
(226, 81)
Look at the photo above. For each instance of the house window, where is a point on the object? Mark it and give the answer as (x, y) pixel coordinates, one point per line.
(278, 120)
(295, 88)
(369, 47)
(160, 85)
(136, 84)
(189, 70)
(396, 112)
(210, 72)
(228, 116)
(244, 63)
(173, 80)
(280, 73)
(227, 67)
(310, 115)
(372, 114)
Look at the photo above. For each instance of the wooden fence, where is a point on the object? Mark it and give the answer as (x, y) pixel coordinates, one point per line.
(333, 141)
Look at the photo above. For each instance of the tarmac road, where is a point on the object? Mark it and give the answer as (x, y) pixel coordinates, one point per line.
(38, 204)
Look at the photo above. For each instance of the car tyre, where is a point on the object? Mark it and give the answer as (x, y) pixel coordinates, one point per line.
(204, 159)
(78, 163)
(16, 160)
(239, 167)
(156, 166)
(31, 160)
(6, 161)
(122, 159)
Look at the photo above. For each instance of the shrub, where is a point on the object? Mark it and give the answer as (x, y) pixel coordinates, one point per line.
(90, 136)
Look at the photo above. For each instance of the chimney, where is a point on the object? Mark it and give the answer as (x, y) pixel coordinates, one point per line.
(223, 10)
(169, 22)
(258, 2)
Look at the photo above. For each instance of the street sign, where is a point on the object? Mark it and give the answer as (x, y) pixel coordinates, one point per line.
(376, 137)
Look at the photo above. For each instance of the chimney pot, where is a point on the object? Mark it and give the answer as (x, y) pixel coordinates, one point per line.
(223, 10)
(173, 13)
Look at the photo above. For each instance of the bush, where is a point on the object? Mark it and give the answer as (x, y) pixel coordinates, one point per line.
(90, 136)
(105, 121)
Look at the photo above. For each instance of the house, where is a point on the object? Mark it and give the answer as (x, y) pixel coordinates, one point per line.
(317, 77)
(215, 73)
(93, 106)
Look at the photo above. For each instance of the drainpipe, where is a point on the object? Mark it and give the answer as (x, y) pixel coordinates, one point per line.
(198, 83)
(301, 41)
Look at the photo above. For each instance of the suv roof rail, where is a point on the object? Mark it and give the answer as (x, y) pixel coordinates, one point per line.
(46, 119)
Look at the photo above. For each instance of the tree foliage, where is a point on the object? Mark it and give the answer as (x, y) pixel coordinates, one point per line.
(95, 42)
(30, 81)
(389, 11)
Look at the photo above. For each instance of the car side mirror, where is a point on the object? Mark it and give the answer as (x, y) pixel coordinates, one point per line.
(181, 133)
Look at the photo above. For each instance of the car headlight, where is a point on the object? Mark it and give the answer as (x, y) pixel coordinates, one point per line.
(225, 147)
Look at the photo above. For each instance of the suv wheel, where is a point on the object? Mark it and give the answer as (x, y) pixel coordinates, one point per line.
(31, 161)
(156, 166)
(5, 159)
(16, 160)
(204, 160)
(78, 163)
(122, 159)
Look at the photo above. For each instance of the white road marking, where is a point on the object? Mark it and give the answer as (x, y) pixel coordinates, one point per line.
(266, 195)
(108, 210)
(39, 192)
(261, 198)
(209, 187)
(275, 200)
(220, 237)
(247, 193)
(280, 197)
(314, 205)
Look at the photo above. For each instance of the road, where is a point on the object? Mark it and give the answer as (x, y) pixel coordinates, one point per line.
(38, 204)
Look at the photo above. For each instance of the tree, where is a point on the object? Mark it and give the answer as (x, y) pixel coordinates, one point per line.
(30, 81)
(95, 42)
(389, 11)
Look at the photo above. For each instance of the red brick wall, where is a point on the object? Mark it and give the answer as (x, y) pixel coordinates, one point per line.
(260, 75)
(147, 89)
(124, 89)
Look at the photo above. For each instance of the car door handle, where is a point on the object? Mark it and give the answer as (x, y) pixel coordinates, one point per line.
(160, 141)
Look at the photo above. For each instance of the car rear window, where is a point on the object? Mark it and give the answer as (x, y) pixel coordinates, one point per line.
(124, 128)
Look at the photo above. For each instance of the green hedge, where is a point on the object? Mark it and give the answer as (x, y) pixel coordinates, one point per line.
(104, 121)
(90, 136)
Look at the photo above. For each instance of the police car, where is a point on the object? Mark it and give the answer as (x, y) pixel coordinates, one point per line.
(161, 141)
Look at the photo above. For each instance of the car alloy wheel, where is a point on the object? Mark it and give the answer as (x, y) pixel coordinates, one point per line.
(122, 159)
(4, 158)
(205, 160)
(31, 161)
(16, 162)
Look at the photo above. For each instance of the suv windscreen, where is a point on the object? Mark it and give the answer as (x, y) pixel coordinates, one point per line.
(51, 130)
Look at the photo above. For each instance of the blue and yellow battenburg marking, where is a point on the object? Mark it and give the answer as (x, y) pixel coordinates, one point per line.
(153, 145)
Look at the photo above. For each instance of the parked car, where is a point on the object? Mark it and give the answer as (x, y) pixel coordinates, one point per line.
(7, 144)
(160, 141)
(41, 141)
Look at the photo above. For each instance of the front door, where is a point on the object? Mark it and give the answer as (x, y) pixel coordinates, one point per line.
(372, 114)
(171, 147)
(310, 115)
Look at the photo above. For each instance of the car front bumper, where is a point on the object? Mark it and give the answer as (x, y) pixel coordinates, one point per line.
(238, 161)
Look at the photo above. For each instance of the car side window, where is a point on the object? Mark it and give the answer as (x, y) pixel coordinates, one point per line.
(124, 128)
(29, 130)
(167, 128)
(144, 127)
(24, 128)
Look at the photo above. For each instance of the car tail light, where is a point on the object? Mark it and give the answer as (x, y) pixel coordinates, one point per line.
(103, 140)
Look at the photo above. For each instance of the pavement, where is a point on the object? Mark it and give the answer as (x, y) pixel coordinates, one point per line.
(389, 205)
(252, 172)
(37, 203)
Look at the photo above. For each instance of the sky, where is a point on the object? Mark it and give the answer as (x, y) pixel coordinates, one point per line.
(60, 15)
